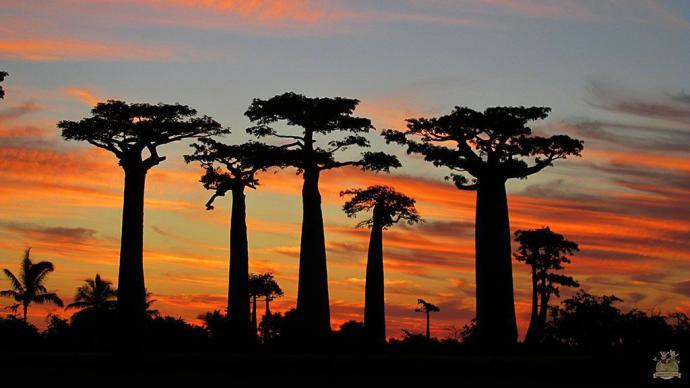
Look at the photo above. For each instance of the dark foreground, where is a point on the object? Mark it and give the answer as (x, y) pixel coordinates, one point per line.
(168, 370)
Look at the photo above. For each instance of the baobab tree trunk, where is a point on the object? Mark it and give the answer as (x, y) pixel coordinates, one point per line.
(238, 282)
(131, 295)
(374, 305)
(312, 293)
(530, 337)
(254, 324)
(428, 329)
(496, 325)
(543, 309)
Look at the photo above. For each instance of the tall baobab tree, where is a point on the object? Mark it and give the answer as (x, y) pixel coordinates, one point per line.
(134, 133)
(388, 208)
(314, 117)
(3, 74)
(427, 308)
(484, 150)
(29, 286)
(545, 252)
(95, 295)
(233, 168)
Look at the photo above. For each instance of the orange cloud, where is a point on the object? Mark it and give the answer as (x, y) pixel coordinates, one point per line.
(50, 50)
(87, 96)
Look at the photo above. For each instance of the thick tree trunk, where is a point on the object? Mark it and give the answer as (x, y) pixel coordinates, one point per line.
(238, 284)
(374, 305)
(496, 325)
(254, 323)
(131, 295)
(428, 329)
(534, 316)
(312, 293)
(543, 309)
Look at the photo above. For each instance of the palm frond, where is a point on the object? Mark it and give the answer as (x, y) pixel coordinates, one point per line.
(48, 298)
(16, 284)
(11, 294)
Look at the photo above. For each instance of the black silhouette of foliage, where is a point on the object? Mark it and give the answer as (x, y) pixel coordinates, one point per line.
(392, 206)
(129, 129)
(96, 295)
(495, 142)
(322, 116)
(546, 251)
(29, 286)
(426, 307)
(229, 167)
(3, 74)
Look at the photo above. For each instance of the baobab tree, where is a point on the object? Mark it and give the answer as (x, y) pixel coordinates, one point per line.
(3, 74)
(234, 168)
(388, 208)
(427, 308)
(28, 286)
(484, 150)
(134, 133)
(262, 285)
(313, 117)
(545, 252)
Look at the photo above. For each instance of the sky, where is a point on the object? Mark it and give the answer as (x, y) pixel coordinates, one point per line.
(615, 73)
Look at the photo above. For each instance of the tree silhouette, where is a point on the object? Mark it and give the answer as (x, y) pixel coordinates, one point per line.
(544, 251)
(427, 308)
(233, 168)
(3, 74)
(133, 133)
(97, 295)
(315, 116)
(29, 286)
(388, 207)
(262, 286)
(484, 150)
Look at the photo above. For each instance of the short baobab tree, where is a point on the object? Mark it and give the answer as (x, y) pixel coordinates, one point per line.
(484, 150)
(134, 133)
(315, 117)
(233, 168)
(28, 286)
(388, 207)
(545, 252)
(427, 308)
(262, 286)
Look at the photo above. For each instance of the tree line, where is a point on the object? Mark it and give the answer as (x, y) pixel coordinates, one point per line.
(481, 149)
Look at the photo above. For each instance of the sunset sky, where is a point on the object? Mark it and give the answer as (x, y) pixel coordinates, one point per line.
(615, 72)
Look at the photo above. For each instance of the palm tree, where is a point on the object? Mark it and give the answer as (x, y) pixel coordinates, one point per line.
(29, 287)
(388, 207)
(96, 295)
(427, 308)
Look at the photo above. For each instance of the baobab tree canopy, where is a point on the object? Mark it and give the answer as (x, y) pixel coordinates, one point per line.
(496, 142)
(127, 129)
(317, 116)
(392, 206)
(232, 167)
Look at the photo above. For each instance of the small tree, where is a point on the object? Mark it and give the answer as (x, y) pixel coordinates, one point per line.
(544, 251)
(97, 295)
(262, 285)
(427, 308)
(314, 117)
(3, 74)
(388, 207)
(29, 286)
(484, 150)
(134, 133)
(233, 168)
